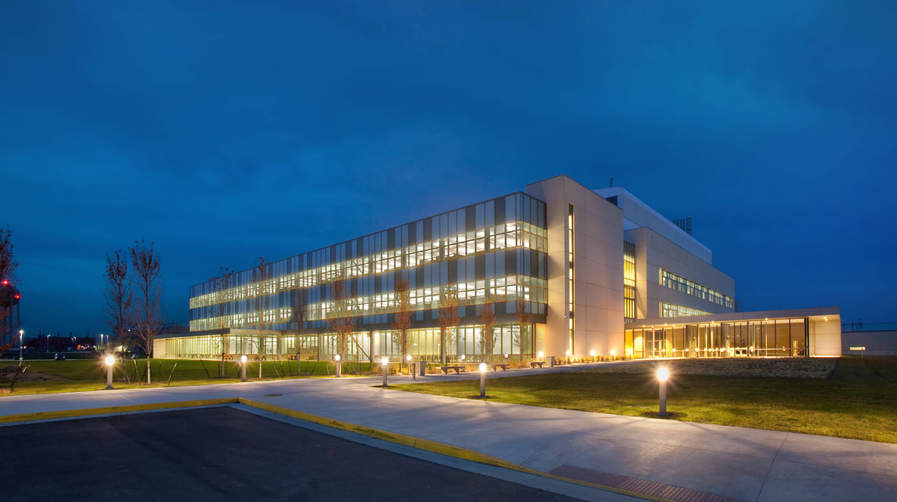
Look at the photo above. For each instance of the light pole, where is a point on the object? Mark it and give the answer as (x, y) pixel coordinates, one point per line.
(408, 360)
(662, 375)
(110, 361)
(384, 362)
(243, 368)
(482, 380)
(339, 365)
(21, 337)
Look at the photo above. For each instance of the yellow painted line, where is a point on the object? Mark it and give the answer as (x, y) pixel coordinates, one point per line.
(51, 415)
(434, 446)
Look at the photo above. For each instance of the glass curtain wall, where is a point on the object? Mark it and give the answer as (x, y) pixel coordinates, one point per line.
(761, 338)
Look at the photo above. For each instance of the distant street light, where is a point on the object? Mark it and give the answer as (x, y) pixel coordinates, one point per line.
(339, 365)
(21, 336)
(384, 362)
(110, 361)
(482, 380)
(662, 376)
(243, 367)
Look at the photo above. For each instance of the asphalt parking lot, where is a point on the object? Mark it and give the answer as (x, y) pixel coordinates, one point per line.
(225, 454)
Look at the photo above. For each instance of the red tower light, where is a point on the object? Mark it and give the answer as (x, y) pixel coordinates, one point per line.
(5, 282)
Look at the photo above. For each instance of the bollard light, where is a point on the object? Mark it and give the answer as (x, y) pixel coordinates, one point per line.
(663, 375)
(408, 360)
(541, 355)
(384, 362)
(592, 353)
(483, 380)
(243, 368)
(110, 361)
(613, 355)
(463, 357)
(339, 365)
(630, 353)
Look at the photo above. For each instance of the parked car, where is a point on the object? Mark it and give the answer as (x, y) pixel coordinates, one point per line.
(58, 357)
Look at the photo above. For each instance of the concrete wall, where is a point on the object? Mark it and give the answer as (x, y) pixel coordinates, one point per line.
(598, 265)
(825, 338)
(638, 214)
(877, 343)
(653, 252)
(159, 348)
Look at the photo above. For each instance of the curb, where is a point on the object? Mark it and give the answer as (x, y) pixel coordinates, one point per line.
(51, 415)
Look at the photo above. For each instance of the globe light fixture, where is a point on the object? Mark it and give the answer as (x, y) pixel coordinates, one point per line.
(384, 362)
(339, 365)
(483, 380)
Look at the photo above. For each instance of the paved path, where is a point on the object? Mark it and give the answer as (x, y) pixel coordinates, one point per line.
(744, 464)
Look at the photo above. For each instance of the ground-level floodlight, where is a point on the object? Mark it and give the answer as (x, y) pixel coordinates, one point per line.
(482, 380)
(384, 362)
(613, 355)
(243, 367)
(662, 376)
(110, 361)
(339, 365)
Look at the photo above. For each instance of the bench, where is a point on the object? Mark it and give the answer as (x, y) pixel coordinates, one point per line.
(446, 369)
(533, 364)
(503, 366)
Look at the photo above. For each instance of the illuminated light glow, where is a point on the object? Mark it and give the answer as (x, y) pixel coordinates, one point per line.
(336, 357)
(242, 359)
(630, 352)
(592, 352)
(541, 354)
(384, 361)
(110, 360)
(463, 356)
(568, 353)
(408, 358)
(613, 352)
(483, 367)
(663, 374)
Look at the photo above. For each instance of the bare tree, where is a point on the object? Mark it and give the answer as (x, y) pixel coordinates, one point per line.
(402, 309)
(448, 317)
(524, 319)
(260, 302)
(300, 300)
(8, 265)
(487, 317)
(341, 315)
(223, 282)
(148, 305)
(119, 295)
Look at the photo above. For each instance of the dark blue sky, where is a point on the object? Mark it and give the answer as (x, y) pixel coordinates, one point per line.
(225, 131)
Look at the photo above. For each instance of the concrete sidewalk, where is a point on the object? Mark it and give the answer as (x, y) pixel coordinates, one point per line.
(731, 462)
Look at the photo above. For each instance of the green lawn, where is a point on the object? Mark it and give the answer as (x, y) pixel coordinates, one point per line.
(77, 375)
(859, 401)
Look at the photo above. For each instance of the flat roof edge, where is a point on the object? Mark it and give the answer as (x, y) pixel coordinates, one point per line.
(833, 313)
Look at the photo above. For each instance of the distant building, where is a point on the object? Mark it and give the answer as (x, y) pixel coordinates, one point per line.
(597, 271)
